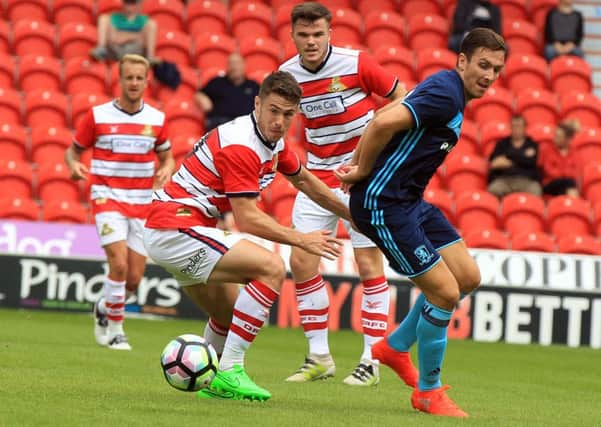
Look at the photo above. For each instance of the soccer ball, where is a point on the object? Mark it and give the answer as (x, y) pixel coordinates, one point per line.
(189, 362)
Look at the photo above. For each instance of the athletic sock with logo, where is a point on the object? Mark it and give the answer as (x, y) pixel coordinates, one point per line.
(250, 312)
(114, 300)
(215, 334)
(431, 344)
(313, 308)
(405, 335)
(375, 303)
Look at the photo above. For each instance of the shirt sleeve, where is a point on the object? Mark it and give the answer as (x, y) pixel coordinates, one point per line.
(431, 104)
(239, 168)
(85, 134)
(288, 161)
(375, 78)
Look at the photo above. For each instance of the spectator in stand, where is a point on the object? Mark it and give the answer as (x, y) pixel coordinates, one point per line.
(559, 165)
(126, 31)
(230, 96)
(513, 163)
(470, 14)
(563, 31)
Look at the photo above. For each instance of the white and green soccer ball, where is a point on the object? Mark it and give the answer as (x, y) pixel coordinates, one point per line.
(189, 362)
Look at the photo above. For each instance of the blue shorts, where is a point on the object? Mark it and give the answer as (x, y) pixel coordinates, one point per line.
(410, 234)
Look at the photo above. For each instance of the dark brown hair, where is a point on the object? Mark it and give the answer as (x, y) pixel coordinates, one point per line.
(482, 38)
(310, 11)
(281, 83)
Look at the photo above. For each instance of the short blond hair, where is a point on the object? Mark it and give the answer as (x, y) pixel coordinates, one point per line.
(133, 58)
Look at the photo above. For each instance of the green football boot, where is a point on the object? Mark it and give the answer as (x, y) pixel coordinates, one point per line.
(238, 383)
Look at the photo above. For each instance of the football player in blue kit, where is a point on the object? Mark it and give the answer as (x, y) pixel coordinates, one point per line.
(397, 155)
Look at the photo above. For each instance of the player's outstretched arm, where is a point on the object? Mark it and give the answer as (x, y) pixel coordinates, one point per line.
(73, 160)
(320, 193)
(250, 219)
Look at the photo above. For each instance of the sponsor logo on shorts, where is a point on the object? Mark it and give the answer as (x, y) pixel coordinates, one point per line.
(106, 230)
(423, 254)
(194, 262)
(183, 212)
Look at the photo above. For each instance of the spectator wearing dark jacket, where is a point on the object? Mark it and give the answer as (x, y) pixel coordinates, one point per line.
(563, 31)
(471, 14)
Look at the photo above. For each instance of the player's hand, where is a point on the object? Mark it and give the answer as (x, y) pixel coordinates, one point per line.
(161, 177)
(348, 175)
(322, 243)
(78, 171)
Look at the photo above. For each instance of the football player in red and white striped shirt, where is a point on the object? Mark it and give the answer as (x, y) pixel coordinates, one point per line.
(125, 135)
(337, 86)
(226, 172)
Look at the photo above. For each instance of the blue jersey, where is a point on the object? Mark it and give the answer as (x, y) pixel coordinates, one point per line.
(409, 160)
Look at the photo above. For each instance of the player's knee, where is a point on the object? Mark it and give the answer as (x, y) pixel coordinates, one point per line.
(449, 297)
(273, 272)
(470, 281)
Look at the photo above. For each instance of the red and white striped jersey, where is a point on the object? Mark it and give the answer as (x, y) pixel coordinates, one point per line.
(232, 160)
(336, 105)
(124, 146)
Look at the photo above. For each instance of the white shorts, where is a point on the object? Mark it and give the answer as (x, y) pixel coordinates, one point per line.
(308, 216)
(114, 226)
(190, 255)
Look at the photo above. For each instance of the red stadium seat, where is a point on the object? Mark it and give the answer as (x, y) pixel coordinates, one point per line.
(35, 10)
(398, 60)
(512, 10)
(209, 73)
(34, 36)
(490, 133)
(261, 53)
(415, 7)
(82, 102)
(279, 198)
(190, 82)
(43, 106)
(346, 26)
(259, 75)
(539, 10)
(337, 4)
(207, 16)
(75, 39)
(537, 106)
(442, 200)
(14, 142)
(213, 50)
(39, 72)
(282, 22)
(526, 72)
(570, 73)
(365, 7)
(11, 106)
(5, 37)
(521, 36)
(523, 212)
(67, 11)
(431, 60)
(48, 143)
(70, 211)
(568, 215)
(426, 31)
(469, 136)
(108, 6)
(579, 244)
(181, 145)
(541, 133)
(174, 46)
(587, 145)
(16, 177)
(85, 76)
(384, 28)
(476, 210)
(20, 208)
(184, 117)
(251, 19)
(597, 219)
(486, 239)
(466, 173)
(591, 180)
(497, 103)
(533, 241)
(584, 107)
(54, 182)
(168, 14)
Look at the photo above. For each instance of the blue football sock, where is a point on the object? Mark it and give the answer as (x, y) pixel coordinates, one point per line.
(403, 337)
(431, 344)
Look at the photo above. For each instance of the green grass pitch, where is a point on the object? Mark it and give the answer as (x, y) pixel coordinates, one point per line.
(53, 374)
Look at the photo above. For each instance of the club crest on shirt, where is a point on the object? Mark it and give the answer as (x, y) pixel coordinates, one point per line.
(114, 129)
(336, 85)
(106, 230)
(147, 131)
(423, 254)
